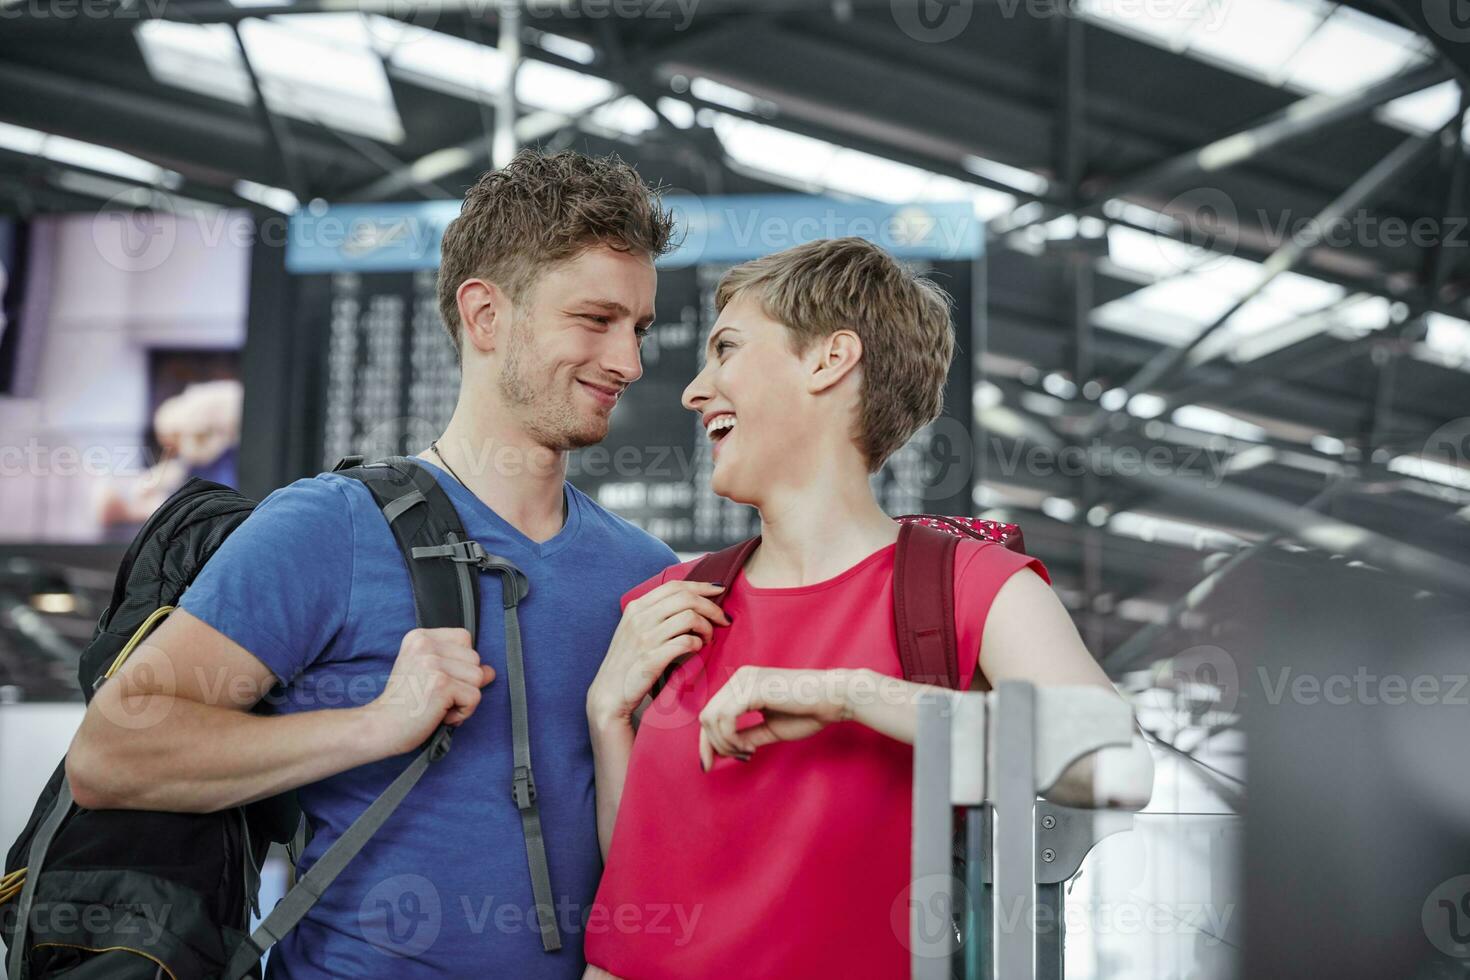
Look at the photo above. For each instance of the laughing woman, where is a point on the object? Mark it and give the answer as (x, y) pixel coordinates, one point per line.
(756, 822)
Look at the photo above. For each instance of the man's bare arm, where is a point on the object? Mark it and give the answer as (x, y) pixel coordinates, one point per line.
(172, 730)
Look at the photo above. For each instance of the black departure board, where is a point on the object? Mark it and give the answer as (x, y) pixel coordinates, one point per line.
(384, 379)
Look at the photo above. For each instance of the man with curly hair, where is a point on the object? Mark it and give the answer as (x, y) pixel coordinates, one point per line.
(546, 289)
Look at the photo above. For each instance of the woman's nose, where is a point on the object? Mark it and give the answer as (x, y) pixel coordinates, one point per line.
(695, 394)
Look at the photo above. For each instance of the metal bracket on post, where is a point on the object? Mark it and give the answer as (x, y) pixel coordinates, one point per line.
(1064, 837)
(1012, 786)
(1001, 749)
(1035, 734)
(931, 890)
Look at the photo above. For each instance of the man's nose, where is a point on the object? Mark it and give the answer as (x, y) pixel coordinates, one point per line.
(623, 358)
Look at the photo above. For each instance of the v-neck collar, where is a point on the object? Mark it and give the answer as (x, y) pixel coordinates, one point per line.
(468, 503)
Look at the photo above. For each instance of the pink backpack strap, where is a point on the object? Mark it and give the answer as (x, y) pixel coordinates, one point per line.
(923, 605)
(723, 565)
(717, 566)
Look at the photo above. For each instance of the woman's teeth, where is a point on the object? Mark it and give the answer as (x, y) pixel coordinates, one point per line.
(719, 426)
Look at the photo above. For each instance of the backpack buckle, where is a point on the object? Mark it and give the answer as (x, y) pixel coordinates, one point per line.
(468, 552)
(523, 788)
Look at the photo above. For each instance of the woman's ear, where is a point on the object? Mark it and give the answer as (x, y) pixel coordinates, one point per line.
(484, 312)
(833, 358)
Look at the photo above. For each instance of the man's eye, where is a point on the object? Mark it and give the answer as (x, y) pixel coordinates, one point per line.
(596, 319)
(642, 332)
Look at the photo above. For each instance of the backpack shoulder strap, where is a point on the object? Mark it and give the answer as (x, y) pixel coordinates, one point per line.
(923, 606)
(421, 515)
(427, 527)
(723, 565)
(717, 566)
(445, 593)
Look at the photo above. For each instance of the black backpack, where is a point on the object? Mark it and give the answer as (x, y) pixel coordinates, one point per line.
(121, 894)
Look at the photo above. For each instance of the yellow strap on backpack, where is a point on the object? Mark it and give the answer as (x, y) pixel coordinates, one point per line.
(154, 618)
(11, 885)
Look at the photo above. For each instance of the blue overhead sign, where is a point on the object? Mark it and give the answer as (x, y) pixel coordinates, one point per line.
(400, 237)
(739, 227)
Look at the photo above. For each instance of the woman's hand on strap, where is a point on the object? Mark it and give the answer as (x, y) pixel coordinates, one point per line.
(793, 704)
(668, 623)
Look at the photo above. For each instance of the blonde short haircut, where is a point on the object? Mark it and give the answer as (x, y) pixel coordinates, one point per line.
(538, 210)
(902, 319)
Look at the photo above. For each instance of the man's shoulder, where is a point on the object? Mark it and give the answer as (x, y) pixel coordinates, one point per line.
(326, 495)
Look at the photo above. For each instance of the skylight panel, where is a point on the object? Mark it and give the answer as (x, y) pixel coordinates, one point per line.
(336, 81)
(1203, 419)
(1257, 36)
(1427, 110)
(1228, 274)
(1153, 256)
(988, 203)
(546, 86)
(104, 159)
(348, 30)
(628, 116)
(275, 198)
(1189, 297)
(799, 158)
(1302, 294)
(450, 64)
(202, 58)
(319, 70)
(1166, 25)
(1351, 51)
(1022, 180)
(1128, 316)
(709, 90)
(1447, 335)
(677, 111)
(867, 175)
(568, 48)
(18, 139)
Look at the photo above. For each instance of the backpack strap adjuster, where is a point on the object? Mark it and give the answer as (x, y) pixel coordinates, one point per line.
(523, 788)
(439, 744)
(469, 552)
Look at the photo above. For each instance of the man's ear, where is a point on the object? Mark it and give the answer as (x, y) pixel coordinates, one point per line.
(484, 314)
(833, 358)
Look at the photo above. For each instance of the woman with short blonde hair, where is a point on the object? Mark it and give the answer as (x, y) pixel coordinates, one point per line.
(763, 802)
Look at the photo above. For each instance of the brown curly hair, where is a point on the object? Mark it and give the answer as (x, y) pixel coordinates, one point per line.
(903, 320)
(540, 209)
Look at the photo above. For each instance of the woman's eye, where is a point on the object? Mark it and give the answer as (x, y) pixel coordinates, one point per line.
(721, 346)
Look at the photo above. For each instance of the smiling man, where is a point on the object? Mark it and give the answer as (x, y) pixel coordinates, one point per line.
(546, 288)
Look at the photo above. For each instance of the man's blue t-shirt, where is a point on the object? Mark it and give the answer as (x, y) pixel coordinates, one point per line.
(314, 585)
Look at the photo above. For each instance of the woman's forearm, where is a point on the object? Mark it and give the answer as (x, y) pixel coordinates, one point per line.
(612, 748)
(887, 705)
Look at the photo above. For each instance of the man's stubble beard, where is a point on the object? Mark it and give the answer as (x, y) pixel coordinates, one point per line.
(557, 426)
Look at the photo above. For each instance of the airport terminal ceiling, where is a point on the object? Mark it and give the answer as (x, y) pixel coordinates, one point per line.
(1108, 244)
